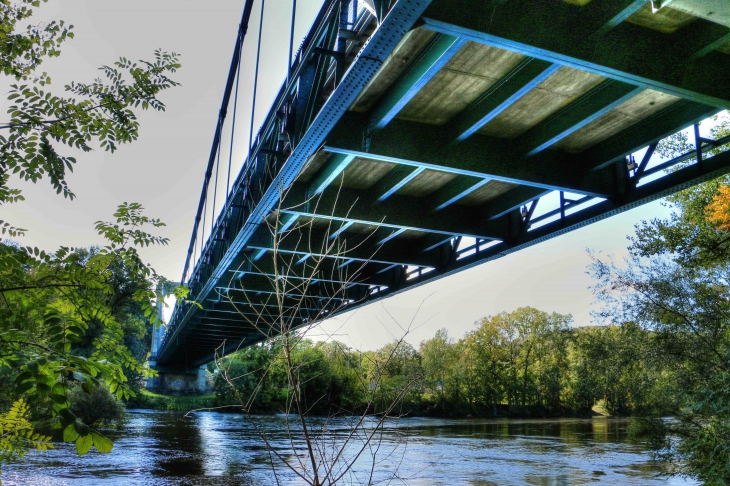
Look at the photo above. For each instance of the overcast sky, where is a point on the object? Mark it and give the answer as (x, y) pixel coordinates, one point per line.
(164, 169)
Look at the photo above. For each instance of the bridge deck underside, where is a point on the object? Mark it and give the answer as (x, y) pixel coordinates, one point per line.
(483, 130)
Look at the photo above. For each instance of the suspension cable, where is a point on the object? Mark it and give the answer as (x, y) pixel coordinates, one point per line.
(242, 29)
(255, 80)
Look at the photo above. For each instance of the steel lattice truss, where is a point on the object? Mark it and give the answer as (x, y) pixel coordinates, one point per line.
(442, 125)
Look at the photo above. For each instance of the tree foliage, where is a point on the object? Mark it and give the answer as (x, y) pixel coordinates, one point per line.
(51, 300)
(676, 286)
(688, 236)
(22, 51)
(520, 363)
(17, 434)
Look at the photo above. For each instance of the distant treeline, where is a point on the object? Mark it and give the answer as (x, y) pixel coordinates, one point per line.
(526, 362)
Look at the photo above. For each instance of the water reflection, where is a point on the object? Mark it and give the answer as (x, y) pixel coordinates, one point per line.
(215, 449)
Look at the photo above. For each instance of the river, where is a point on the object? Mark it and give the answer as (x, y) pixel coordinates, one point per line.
(168, 448)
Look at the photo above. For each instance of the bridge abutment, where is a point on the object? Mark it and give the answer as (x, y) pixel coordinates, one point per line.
(178, 382)
(173, 381)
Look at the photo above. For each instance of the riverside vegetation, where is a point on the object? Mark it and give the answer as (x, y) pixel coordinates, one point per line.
(522, 363)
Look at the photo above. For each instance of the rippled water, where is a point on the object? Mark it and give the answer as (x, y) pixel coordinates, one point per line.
(166, 448)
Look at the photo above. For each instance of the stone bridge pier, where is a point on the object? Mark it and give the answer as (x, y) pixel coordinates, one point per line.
(178, 382)
(173, 381)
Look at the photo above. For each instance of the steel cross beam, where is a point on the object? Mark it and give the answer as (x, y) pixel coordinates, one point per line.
(395, 179)
(685, 67)
(330, 172)
(390, 31)
(377, 247)
(291, 295)
(400, 212)
(430, 60)
(649, 131)
(453, 191)
(624, 13)
(586, 109)
(420, 145)
(514, 85)
(275, 300)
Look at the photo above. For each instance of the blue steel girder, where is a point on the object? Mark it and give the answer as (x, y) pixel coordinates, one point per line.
(310, 294)
(457, 189)
(519, 81)
(712, 46)
(429, 62)
(560, 33)
(244, 193)
(650, 131)
(390, 31)
(398, 212)
(513, 200)
(623, 13)
(395, 180)
(238, 301)
(260, 288)
(286, 273)
(271, 304)
(330, 172)
(376, 247)
(593, 38)
(586, 109)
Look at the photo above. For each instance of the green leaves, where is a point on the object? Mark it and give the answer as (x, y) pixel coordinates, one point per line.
(70, 434)
(17, 435)
(102, 443)
(676, 285)
(84, 443)
(81, 428)
(84, 437)
(102, 112)
(50, 303)
(22, 52)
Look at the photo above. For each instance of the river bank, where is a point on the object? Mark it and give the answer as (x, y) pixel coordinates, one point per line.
(146, 400)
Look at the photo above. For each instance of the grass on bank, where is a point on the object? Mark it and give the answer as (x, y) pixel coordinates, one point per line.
(155, 401)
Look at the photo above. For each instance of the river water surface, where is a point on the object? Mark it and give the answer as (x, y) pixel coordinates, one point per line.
(168, 448)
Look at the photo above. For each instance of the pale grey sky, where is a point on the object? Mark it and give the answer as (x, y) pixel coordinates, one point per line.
(164, 169)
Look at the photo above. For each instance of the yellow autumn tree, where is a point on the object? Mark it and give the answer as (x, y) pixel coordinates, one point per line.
(718, 211)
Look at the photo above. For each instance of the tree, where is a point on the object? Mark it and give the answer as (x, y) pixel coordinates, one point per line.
(618, 366)
(49, 303)
(298, 294)
(487, 361)
(17, 434)
(688, 235)
(438, 357)
(676, 286)
(50, 300)
(687, 311)
(516, 356)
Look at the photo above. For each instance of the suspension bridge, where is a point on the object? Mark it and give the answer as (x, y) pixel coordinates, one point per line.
(453, 132)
